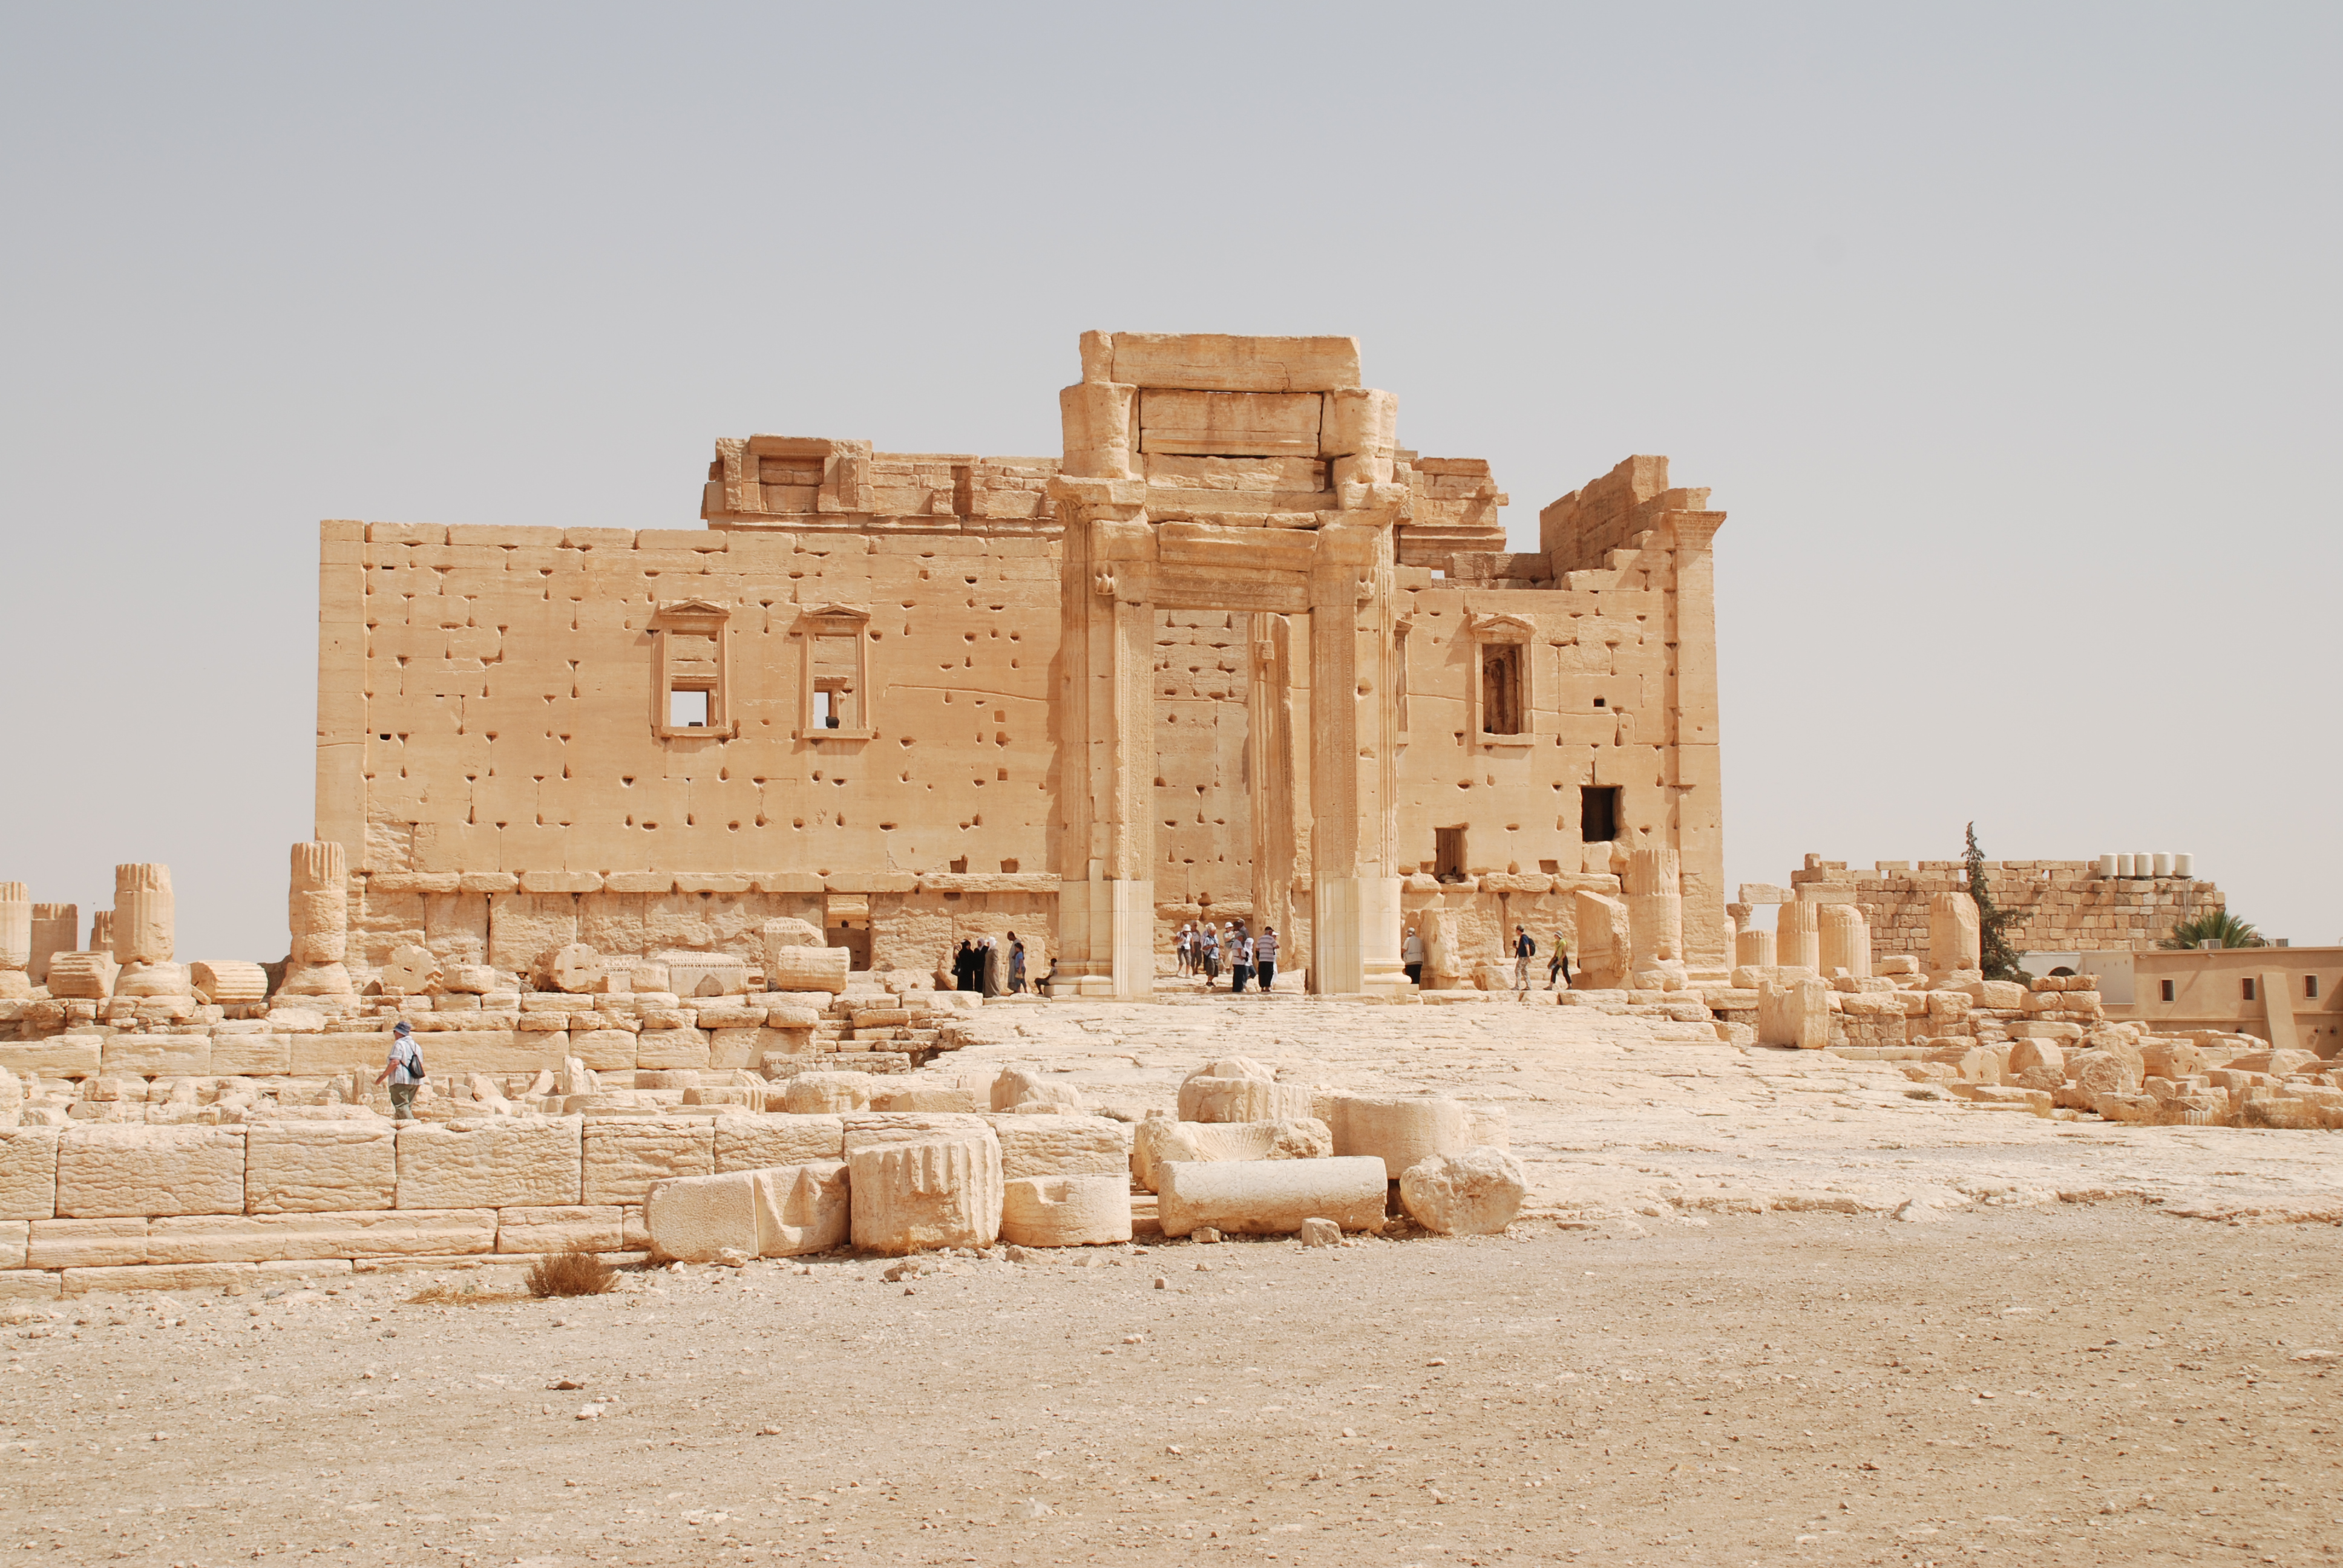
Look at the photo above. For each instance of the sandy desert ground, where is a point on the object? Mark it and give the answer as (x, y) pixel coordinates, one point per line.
(1763, 1308)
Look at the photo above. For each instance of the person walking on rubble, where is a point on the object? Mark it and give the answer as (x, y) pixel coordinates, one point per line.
(1411, 955)
(1557, 968)
(1016, 965)
(1524, 949)
(996, 968)
(1241, 964)
(405, 1071)
(1264, 959)
(964, 966)
(1211, 956)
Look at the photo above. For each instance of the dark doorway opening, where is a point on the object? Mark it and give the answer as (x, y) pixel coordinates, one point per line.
(1598, 813)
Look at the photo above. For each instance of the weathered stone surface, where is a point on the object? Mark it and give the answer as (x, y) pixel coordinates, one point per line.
(1476, 1192)
(490, 1162)
(593, 1227)
(778, 1212)
(107, 1170)
(1272, 1197)
(625, 1156)
(1066, 1210)
(1159, 1139)
(807, 969)
(826, 1093)
(372, 1233)
(301, 1167)
(1050, 1145)
(28, 1172)
(763, 1142)
(1399, 1131)
(937, 1190)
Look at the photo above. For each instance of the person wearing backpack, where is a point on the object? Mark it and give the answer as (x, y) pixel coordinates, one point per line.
(1524, 949)
(405, 1071)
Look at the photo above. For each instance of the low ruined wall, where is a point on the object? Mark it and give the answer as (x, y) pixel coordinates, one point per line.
(2063, 906)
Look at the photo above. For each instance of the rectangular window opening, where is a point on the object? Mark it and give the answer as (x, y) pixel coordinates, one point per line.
(1598, 813)
(1500, 689)
(687, 707)
(2250, 991)
(2310, 988)
(1448, 854)
(2167, 990)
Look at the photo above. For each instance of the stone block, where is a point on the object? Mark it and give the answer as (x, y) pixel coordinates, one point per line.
(807, 969)
(625, 1156)
(603, 1050)
(1054, 1145)
(490, 1162)
(1794, 1012)
(778, 1212)
(1066, 1210)
(105, 1171)
(763, 1142)
(593, 1227)
(320, 1167)
(28, 1172)
(1158, 1139)
(1272, 1197)
(14, 1234)
(251, 1055)
(1221, 362)
(160, 1277)
(1399, 1129)
(828, 1093)
(158, 1055)
(943, 1189)
(86, 1243)
(924, 1097)
(1476, 1192)
(60, 1056)
(1205, 1098)
(672, 1047)
(366, 1234)
(331, 1055)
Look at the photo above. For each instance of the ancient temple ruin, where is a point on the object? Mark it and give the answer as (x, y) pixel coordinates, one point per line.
(1234, 649)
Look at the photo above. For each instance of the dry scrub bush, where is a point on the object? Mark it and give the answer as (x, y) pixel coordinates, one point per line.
(576, 1273)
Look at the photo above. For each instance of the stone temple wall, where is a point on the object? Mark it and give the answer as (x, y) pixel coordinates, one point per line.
(2064, 906)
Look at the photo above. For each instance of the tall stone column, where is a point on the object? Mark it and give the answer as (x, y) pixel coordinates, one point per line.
(1106, 855)
(146, 917)
(1697, 776)
(1354, 769)
(317, 908)
(1269, 737)
(1844, 940)
(1798, 936)
(56, 929)
(15, 940)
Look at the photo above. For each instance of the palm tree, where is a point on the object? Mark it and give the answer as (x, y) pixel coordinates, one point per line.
(2214, 926)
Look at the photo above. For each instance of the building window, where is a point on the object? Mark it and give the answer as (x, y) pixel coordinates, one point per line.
(1448, 854)
(1501, 698)
(1500, 689)
(834, 700)
(1598, 813)
(691, 658)
(2250, 991)
(2310, 988)
(2167, 990)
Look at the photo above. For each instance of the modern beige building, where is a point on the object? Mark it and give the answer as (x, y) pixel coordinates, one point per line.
(2291, 997)
(1234, 649)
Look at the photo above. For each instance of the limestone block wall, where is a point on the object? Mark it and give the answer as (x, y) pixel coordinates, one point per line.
(1203, 783)
(96, 1207)
(2064, 906)
(497, 772)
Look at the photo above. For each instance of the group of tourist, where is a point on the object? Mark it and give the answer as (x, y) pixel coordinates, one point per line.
(1204, 949)
(993, 968)
(1524, 951)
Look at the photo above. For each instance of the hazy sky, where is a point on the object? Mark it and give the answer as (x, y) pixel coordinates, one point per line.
(2007, 335)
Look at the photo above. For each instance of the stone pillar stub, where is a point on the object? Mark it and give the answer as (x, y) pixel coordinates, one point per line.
(1845, 939)
(56, 929)
(317, 910)
(15, 940)
(1954, 941)
(1798, 936)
